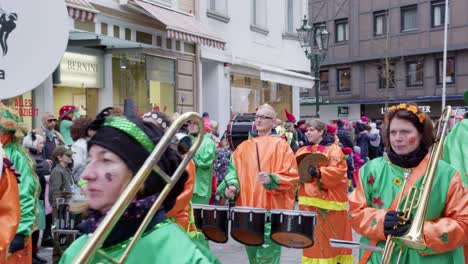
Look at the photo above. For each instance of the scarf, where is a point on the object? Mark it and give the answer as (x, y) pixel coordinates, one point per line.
(49, 134)
(409, 160)
(128, 223)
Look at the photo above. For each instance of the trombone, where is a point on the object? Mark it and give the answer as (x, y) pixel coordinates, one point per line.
(419, 197)
(94, 243)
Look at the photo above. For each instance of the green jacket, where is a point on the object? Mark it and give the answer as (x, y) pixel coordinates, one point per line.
(204, 158)
(65, 131)
(165, 243)
(455, 149)
(29, 187)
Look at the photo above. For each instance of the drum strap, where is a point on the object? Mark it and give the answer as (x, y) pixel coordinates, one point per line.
(418, 172)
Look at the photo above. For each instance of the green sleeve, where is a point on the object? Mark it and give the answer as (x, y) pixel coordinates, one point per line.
(274, 182)
(206, 154)
(27, 188)
(230, 179)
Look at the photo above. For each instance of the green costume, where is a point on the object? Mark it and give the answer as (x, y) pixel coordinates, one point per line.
(65, 131)
(165, 243)
(445, 226)
(204, 158)
(456, 147)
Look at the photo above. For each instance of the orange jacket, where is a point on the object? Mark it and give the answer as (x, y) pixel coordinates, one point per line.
(9, 210)
(181, 210)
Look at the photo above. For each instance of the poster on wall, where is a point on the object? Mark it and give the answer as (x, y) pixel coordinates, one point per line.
(33, 38)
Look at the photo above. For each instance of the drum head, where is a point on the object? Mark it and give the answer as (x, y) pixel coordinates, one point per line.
(214, 234)
(246, 237)
(248, 225)
(292, 240)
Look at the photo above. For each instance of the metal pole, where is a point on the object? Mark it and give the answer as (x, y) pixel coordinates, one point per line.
(317, 84)
(444, 63)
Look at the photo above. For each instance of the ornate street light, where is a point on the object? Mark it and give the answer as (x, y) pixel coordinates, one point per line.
(314, 41)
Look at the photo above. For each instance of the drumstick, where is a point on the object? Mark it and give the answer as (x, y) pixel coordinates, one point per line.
(258, 157)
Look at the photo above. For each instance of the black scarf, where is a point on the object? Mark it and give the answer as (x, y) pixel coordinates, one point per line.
(409, 160)
(128, 223)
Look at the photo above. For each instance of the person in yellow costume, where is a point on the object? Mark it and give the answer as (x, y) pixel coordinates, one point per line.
(9, 204)
(270, 187)
(326, 195)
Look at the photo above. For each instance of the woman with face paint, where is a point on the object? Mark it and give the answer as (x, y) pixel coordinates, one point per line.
(325, 195)
(115, 154)
(409, 134)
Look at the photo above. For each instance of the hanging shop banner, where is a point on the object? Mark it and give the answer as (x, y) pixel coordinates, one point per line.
(33, 38)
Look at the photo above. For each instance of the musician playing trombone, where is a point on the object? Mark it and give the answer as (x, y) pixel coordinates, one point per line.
(115, 154)
(326, 194)
(374, 207)
(262, 174)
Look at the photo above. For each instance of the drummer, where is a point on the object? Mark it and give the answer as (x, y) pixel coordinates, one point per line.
(323, 190)
(262, 174)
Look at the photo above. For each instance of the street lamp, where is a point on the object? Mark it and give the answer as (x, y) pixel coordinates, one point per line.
(314, 41)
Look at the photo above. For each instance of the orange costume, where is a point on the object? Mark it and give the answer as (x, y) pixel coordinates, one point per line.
(277, 159)
(9, 207)
(327, 196)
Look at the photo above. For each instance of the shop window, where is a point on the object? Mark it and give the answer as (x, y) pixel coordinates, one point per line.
(415, 73)
(161, 78)
(450, 74)
(143, 37)
(341, 30)
(383, 75)
(323, 80)
(246, 96)
(104, 29)
(25, 108)
(380, 23)
(344, 80)
(116, 32)
(438, 13)
(128, 34)
(409, 18)
(259, 16)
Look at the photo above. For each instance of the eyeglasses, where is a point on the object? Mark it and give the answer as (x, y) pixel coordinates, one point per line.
(52, 120)
(262, 117)
(69, 155)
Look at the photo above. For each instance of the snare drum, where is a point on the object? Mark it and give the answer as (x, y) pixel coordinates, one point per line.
(212, 221)
(248, 225)
(293, 229)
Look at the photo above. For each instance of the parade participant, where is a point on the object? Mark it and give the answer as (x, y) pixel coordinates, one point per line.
(373, 205)
(204, 159)
(34, 143)
(11, 132)
(67, 115)
(9, 204)
(263, 179)
(326, 195)
(116, 152)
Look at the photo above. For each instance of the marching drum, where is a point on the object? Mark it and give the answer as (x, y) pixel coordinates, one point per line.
(212, 221)
(293, 229)
(65, 218)
(248, 225)
(239, 129)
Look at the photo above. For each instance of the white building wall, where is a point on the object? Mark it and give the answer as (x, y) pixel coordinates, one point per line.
(245, 45)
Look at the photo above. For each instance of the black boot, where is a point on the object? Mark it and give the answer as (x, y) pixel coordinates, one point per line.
(38, 260)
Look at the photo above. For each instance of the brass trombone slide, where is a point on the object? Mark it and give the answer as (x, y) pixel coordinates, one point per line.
(96, 240)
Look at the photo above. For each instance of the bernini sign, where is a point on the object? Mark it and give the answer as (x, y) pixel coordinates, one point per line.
(82, 70)
(33, 38)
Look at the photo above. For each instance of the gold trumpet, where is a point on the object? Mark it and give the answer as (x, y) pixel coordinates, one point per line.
(94, 243)
(419, 198)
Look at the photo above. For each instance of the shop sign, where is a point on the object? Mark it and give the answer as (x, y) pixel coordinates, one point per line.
(31, 43)
(25, 107)
(81, 70)
(423, 108)
(343, 110)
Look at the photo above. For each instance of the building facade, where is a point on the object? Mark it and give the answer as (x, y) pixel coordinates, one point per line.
(388, 52)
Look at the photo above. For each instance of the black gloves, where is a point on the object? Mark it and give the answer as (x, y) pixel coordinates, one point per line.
(391, 220)
(17, 243)
(314, 172)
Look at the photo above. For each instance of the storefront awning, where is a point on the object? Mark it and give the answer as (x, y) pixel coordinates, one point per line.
(82, 10)
(89, 39)
(181, 26)
(277, 75)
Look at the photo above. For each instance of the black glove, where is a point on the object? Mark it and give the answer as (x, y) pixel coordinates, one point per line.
(391, 221)
(313, 171)
(17, 243)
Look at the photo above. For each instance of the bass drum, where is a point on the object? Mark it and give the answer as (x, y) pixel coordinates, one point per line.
(239, 129)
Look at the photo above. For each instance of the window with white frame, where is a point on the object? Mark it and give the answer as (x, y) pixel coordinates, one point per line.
(341, 30)
(380, 23)
(409, 18)
(438, 13)
(259, 14)
(293, 15)
(218, 6)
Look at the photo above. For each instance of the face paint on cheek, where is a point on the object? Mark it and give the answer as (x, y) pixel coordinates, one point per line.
(412, 141)
(109, 176)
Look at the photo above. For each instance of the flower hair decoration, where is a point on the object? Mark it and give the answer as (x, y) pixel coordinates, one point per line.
(410, 108)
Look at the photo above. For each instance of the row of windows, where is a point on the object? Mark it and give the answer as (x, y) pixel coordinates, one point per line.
(408, 22)
(414, 71)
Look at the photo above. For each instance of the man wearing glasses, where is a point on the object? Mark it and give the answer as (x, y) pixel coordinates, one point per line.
(262, 174)
(53, 138)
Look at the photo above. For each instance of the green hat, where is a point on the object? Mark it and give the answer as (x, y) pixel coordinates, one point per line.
(10, 121)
